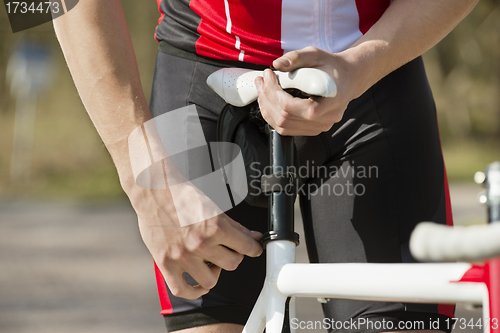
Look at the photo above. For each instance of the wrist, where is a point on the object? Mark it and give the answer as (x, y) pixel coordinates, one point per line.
(123, 162)
(143, 163)
(367, 63)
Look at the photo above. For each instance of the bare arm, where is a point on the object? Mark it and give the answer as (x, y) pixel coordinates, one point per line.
(98, 49)
(406, 30)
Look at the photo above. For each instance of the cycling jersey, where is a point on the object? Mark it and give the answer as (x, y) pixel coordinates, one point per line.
(259, 31)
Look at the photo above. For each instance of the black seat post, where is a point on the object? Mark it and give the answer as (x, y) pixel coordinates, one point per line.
(281, 186)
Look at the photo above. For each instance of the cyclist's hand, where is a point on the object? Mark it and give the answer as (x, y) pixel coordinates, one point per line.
(295, 116)
(176, 249)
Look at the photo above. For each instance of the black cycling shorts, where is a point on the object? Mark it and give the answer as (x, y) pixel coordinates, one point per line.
(368, 181)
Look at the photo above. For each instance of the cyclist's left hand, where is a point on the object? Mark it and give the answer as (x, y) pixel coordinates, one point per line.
(308, 117)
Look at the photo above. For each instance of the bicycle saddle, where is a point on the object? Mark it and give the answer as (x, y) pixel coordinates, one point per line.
(236, 85)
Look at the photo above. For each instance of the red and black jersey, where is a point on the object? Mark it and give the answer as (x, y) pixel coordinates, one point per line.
(259, 31)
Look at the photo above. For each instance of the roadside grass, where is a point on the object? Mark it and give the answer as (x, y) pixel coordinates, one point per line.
(464, 158)
(69, 160)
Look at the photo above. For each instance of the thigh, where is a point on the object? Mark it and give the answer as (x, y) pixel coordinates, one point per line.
(177, 83)
(381, 174)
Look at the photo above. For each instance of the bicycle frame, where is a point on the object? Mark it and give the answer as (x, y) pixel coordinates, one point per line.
(414, 283)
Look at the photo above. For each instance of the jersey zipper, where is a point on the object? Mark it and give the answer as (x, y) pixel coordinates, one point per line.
(323, 42)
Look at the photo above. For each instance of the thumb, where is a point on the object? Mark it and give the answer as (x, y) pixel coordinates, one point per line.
(307, 57)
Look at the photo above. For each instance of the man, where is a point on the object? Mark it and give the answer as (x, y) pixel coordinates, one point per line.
(377, 119)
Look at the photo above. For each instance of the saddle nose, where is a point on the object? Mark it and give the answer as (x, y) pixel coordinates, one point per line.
(235, 85)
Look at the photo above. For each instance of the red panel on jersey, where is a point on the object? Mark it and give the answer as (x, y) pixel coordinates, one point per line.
(370, 12)
(449, 213)
(258, 27)
(447, 309)
(162, 16)
(166, 307)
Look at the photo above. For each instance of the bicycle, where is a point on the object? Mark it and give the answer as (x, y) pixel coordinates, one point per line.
(416, 283)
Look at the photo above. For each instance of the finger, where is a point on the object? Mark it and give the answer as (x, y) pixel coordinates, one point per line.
(323, 110)
(268, 86)
(283, 108)
(252, 233)
(307, 109)
(271, 83)
(309, 128)
(236, 238)
(224, 258)
(293, 125)
(319, 122)
(306, 57)
(206, 277)
(178, 285)
(259, 81)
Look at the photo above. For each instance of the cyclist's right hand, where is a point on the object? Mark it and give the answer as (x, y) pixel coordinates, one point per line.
(177, 249)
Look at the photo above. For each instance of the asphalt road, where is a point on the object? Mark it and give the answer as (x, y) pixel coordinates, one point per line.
(83, 268)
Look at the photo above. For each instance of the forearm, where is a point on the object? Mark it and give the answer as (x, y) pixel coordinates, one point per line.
(406, 30)
(98, 49)
(97, 46)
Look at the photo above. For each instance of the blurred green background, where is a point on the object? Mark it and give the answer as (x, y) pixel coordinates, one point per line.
(71, 163)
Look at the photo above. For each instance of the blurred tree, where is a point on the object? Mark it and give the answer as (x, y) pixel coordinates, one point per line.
(69, 159)
(142, 20)
(466, 76)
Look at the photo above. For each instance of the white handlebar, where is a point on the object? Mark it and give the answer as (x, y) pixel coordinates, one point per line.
(435, 242)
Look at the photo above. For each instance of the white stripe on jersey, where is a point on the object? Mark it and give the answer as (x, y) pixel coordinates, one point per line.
(229, 25)
(228, 17)
(241, 56)
(297, 24)
(343, 25)
(329, 25)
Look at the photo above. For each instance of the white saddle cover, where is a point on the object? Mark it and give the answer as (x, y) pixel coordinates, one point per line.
(236, 85)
